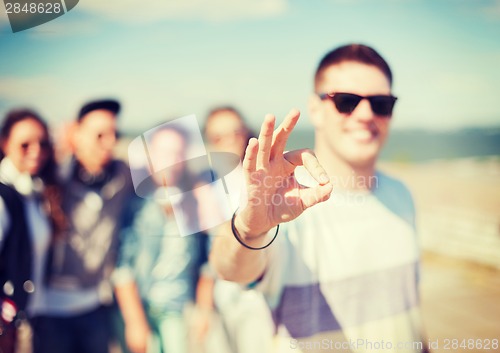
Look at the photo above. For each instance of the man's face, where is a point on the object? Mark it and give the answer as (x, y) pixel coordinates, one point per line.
(356, 137)
(167, 151)
(95, 138)
(225, 133)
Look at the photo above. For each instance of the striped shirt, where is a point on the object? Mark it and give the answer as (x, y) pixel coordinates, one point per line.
(344, 275)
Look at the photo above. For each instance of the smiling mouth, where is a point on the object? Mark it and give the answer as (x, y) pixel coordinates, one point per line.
(34, 161)
(364, 135)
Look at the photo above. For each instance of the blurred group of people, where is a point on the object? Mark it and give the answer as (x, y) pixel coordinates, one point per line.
(84, 258)
(86, 262)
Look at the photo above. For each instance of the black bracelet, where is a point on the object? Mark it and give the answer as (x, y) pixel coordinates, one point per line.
(237, 235)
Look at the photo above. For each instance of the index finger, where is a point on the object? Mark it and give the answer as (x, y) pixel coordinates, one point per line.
(281, 135)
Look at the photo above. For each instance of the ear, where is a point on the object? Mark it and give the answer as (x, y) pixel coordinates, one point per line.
(74, 135)
(316, 114)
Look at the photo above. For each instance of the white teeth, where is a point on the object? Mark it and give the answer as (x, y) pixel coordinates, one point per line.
(362, 134)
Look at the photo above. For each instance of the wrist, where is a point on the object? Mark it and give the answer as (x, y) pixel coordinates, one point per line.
(136, 321)
(138, 325)
(204, 309)
(246, 232)
(253, 242)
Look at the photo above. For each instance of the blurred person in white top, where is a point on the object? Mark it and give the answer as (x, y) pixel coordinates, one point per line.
(244, 312)
(30, 216)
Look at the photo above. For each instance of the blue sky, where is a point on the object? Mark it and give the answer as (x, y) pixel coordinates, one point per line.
(166, 59)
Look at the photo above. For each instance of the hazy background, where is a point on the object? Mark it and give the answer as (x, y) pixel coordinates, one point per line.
(171, 58)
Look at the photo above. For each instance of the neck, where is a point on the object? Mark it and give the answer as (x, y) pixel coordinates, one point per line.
(91, 168)
(344, 175)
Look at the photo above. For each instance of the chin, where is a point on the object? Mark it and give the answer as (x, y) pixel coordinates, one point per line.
(33, 172)
(104, 162)
(364, 150)
(362, 157)
(362, 162)
(33, 169)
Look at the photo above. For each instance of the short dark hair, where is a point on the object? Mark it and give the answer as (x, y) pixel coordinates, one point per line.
(352, 52)
(110, 105)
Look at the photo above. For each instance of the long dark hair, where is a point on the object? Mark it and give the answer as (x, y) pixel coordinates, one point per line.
(48, 172)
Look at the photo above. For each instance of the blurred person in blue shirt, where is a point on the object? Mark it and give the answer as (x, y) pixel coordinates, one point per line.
(157, 270)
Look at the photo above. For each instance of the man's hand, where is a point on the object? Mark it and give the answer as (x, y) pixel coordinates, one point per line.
(201, 324)
(137, 331)
(137, 336)
(273, 194)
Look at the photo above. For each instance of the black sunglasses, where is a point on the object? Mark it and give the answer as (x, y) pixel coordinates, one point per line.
(347, 102)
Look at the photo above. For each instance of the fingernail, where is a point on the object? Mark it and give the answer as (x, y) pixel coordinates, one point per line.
(323, 178)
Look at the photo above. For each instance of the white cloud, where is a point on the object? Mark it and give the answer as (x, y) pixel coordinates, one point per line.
(450, 100)
(140, 12)
(59, 28)
(16, 88)
(46, 94)
(209, 10)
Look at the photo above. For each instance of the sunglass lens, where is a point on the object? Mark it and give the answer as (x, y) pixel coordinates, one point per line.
(382, 105)
(345, 102)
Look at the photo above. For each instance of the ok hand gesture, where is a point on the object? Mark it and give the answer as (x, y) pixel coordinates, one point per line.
(273, 194)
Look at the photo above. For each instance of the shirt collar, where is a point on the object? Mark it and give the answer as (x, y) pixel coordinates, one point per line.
(23, 183)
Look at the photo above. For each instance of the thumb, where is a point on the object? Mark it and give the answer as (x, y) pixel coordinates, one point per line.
(312, 196)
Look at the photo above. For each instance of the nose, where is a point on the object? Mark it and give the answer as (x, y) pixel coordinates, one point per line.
(228, 142)
(363, 111)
